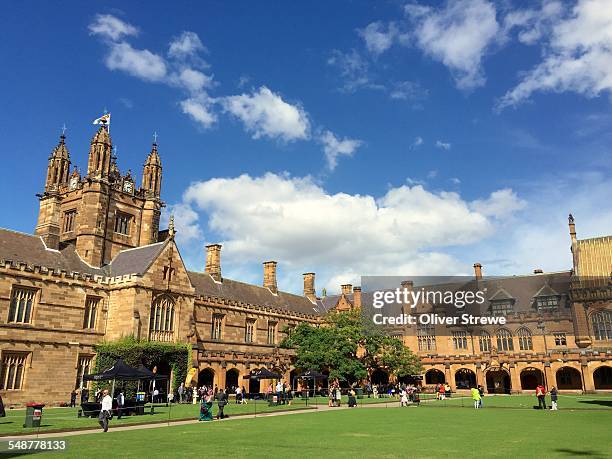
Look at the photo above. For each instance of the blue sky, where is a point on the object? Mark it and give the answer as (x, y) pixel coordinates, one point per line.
(347, 138)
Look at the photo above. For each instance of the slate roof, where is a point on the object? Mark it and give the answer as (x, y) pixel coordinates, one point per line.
(253, 294)
(27, 248)
(135, 261)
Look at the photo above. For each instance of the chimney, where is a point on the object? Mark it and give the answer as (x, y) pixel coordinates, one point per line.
(538, 271)
(269, 278)
(357, 297)
(213, 261)
(346, 289)
(478, 271)
(309, 286)
(407, 285)
(572, 228)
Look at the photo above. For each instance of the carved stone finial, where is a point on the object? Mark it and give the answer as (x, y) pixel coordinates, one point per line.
(171, 230)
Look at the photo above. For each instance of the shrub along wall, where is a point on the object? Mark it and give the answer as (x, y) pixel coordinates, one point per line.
(148, 353)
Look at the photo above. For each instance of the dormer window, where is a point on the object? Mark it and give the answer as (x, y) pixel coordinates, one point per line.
(502, 307)
(547, 303)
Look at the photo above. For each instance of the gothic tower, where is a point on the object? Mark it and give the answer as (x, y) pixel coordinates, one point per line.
(151, 186)
(58, 170)
(100, 154)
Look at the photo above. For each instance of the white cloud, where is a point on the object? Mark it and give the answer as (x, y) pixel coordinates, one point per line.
(265, 114)
(354, 71)
(455, 181)
(140, 63)
(577, 59)
(432, 174)
(185, 45)
(378, 37)
(500, 204)
(335, 147)
(457, 35)
(410, 91)
(443, 145)
(418, 141)
(200, 109)
(298, 223)
(193, 80)
(185, 221)
(111, 27)
(532, 24)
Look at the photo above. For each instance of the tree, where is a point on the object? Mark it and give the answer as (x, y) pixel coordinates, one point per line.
(348, 347)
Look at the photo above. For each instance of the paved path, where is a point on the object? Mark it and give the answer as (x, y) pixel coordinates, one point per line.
(320, 408)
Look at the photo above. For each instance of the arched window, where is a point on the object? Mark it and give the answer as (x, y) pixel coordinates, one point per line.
(485, 341)
(504, 340)
(602, 325)
(161, 324)
(525, 343)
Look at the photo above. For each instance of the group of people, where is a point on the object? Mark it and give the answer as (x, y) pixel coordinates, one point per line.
(207, 401)
(541, 396)
(477, 396)
(282, 392)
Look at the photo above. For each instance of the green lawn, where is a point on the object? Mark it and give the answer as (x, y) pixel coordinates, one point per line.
(368, 432)
(66, 418)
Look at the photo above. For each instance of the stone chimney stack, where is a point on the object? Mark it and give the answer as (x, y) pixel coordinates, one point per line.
(407, 285)
(477, 271)
(346, 289)
(213, 261)
(572, 228)
(357, 297)
(269, 278)
(309, 286)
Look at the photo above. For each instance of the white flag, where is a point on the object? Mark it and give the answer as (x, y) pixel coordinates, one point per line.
(104, 119)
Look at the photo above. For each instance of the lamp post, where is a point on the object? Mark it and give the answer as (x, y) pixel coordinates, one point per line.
(542, 328)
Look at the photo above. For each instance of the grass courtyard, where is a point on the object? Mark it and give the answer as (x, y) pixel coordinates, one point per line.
(372, 432)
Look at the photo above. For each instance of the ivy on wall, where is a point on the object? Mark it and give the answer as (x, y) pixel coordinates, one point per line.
(148, 353)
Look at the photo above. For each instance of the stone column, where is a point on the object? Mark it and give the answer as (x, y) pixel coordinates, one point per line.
(515, 380)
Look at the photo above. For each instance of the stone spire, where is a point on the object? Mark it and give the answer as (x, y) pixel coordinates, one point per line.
(58, 169)
(100, 154)
(152, 173)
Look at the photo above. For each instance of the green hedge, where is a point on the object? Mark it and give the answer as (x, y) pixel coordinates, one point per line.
(149, 353)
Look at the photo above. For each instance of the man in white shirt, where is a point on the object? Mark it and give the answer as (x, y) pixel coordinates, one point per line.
(106, 411)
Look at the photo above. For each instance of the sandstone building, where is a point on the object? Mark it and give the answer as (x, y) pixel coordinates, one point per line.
(98, 268)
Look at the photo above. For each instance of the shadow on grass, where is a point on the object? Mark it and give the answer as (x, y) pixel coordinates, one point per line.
(579, 452)
(607, 403)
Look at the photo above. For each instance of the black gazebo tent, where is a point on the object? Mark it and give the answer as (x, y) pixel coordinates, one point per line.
(262, 373)
(120, 370)
(314, 375)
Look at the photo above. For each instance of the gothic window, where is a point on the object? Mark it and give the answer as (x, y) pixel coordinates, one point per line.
(249, 331)
(504, 340)
(547, 303)
(602, 325)
(83, 369)
(460, 340)
(217, 326)
(161, 324)
(426, 337)
(560, 339)
(501, 307)
(13, 369)
(69, 219)
(122, 223)
(484, 340)
(22, 303)
(271, 332)
(91, 311)
(525, 342)
(168, 273)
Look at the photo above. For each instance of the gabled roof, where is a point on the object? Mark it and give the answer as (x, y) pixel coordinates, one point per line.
(546, 290)
(501, 294)
(253, 294)
(27, 248)
(135, 261)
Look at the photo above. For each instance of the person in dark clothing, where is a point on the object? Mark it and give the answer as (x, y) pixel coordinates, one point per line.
(481, 392)
(553, 398)
(2, 412)
(221, 402)
(73, 397)
(120, 403)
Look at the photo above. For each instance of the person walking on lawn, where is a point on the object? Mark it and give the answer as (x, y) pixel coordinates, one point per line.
(476, 397)
(541, 394)
(106, 412)
(553, 398)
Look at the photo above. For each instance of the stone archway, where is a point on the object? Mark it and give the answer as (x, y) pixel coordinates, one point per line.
(602, 377)
(206, 377)
(531, 378)
(498, 381)
(232, 378)
(568, 378)
(465, 378)
(434, 376)
(379, 377)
